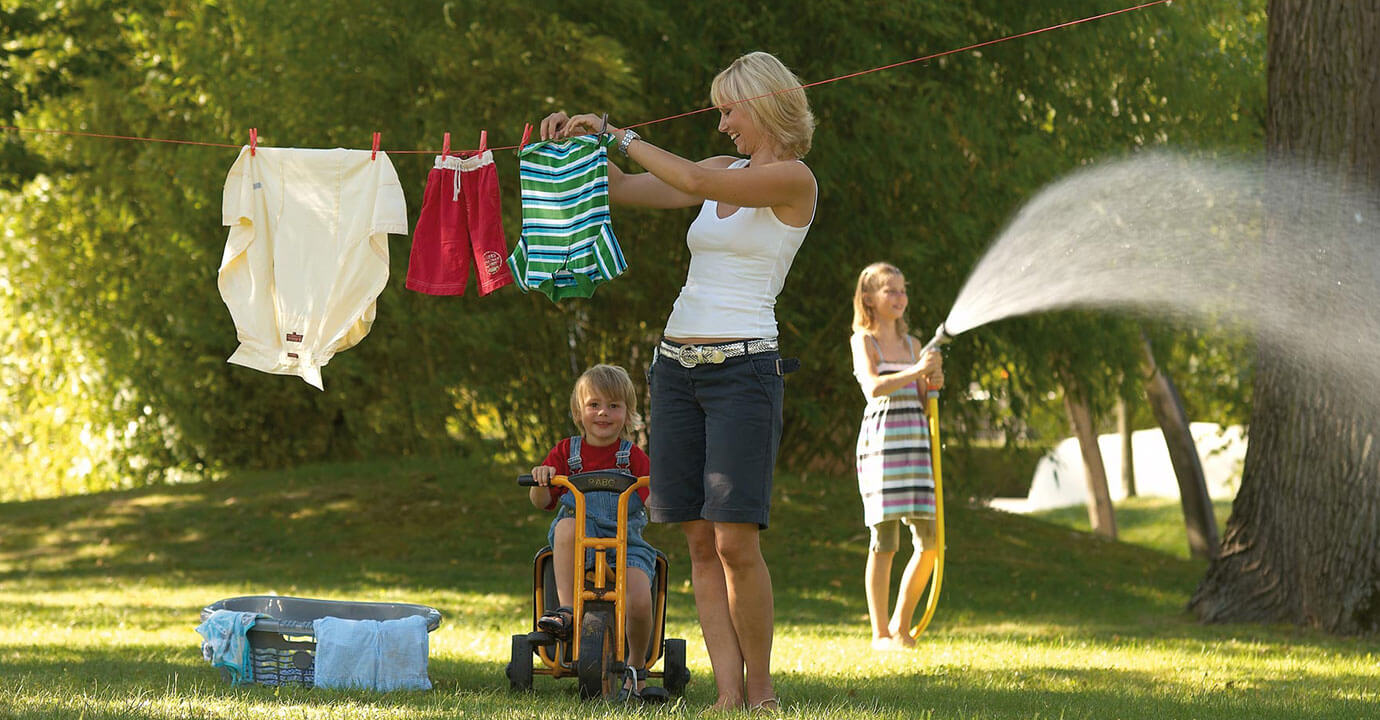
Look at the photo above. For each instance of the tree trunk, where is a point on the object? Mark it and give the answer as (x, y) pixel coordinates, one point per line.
(1168, 407)
(1128, 457)
(1303, 541)
(1100, 513)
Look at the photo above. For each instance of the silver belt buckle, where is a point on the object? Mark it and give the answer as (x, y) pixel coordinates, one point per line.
(689, 356)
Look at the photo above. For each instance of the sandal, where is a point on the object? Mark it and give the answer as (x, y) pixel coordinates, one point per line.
(770, 706)
(557, 622)
(648, 694)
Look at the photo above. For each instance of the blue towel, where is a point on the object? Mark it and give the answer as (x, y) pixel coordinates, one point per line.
(369, 654)
(226, 643)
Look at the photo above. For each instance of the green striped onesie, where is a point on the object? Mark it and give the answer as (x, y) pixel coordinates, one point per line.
(567, 246)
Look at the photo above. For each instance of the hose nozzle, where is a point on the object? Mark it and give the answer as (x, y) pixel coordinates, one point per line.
(941, 336)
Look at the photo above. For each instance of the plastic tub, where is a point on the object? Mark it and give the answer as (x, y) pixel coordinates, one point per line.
(282, 643)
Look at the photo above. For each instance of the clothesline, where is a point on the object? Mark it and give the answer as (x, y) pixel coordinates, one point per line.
(923, 58)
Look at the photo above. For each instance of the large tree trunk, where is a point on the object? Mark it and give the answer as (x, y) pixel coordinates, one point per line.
(1100, 512)
(1199, 522)
(1303, 541)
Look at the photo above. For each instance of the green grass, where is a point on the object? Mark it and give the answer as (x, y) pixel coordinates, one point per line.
(99, 596)
(1155, 523)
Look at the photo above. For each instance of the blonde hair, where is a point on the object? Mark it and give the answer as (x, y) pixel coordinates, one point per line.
(870, 280)
(773, 96)
(611, 383)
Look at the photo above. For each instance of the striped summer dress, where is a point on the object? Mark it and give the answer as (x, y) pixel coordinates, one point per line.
(894, 475)
(567, 245)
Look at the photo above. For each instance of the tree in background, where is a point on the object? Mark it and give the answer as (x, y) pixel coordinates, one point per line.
(113, 368)
(1303, 541)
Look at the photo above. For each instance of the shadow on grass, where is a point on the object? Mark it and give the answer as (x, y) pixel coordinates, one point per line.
(459, 524)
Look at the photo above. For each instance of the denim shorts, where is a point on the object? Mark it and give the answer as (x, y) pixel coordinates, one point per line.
(714, 430)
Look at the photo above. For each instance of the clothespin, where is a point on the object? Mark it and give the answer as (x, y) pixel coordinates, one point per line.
(375, 152)
(445, 146)
(603, 126)
(483, 141)
(526, 133)
(253, 141)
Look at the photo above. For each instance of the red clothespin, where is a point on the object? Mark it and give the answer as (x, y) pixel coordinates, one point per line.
(375, 152)
(445, 146)
(253, 140)
(483, 141)
(526, 133)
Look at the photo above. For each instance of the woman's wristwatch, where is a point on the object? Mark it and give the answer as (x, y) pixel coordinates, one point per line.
(628, 137)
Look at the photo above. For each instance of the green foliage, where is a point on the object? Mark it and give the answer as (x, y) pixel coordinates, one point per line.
(113, 364)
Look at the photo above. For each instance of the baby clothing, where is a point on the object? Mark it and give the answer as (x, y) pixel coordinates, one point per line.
(226, 643)
(893, 453)
(307, 253)
(571, 456)
(460, 219)
(567, 246)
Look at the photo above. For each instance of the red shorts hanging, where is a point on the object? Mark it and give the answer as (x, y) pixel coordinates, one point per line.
(460, 220)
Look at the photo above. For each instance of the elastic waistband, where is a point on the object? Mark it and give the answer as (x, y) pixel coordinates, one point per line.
(465, 164)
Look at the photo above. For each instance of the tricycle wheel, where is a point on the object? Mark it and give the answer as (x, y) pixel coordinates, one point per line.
(675, 675)
(595, 667)
(520, 665)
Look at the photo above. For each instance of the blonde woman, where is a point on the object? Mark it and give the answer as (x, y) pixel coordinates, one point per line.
(717, 383)
(893, 454)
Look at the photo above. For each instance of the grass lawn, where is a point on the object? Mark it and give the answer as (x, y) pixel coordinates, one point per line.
(99, 596)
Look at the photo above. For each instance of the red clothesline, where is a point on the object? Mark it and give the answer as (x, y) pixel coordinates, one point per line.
(923, 58)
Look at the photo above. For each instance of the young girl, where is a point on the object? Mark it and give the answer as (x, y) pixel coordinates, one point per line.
(604, 408)
(893, 448)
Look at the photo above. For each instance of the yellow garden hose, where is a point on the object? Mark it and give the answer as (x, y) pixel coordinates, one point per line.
(937, 578)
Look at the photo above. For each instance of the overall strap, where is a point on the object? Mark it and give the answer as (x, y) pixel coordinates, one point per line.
(624, 454)
(574, 461)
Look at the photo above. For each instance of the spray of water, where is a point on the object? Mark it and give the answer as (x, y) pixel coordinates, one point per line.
(1281, 251)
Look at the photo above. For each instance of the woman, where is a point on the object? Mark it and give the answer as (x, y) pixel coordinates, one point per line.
(716, 378)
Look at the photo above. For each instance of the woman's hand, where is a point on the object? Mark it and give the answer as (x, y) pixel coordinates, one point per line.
(553, 124)
(559, 126)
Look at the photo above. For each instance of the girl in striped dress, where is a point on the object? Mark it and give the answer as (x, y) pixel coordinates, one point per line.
(894, 474)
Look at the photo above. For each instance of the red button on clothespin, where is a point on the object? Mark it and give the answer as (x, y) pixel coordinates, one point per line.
(445, 146)
(526, 133)
(253, 141)
(375, 152)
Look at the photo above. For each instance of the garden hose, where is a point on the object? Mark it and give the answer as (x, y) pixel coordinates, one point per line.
(937, 577)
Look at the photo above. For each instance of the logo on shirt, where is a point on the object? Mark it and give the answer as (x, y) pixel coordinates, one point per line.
(294, 337)
(492, 261)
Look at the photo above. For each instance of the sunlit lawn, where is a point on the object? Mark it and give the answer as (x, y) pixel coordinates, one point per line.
(99, 595)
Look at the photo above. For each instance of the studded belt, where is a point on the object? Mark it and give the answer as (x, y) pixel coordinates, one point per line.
(691, 355)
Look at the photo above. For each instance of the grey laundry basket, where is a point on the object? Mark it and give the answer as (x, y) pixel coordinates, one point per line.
(282, 645)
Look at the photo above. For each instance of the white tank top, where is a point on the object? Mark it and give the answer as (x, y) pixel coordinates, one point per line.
(738, 266)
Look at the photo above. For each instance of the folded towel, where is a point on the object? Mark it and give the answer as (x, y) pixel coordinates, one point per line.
(388, 655)
(403, 654)
(226, 643)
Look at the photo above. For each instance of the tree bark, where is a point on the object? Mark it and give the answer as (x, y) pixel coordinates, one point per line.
(1303, 541)
(1100, 512)
(1128, 457)
(1168, 407)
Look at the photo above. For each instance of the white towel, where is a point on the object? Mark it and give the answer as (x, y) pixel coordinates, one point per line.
(373, 655)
